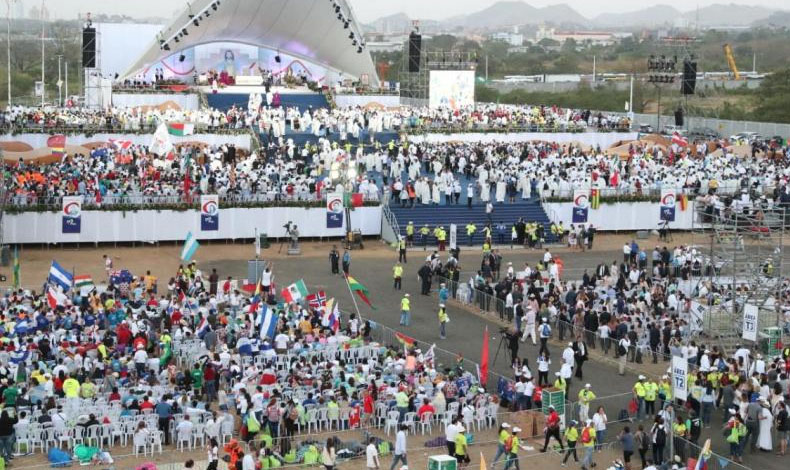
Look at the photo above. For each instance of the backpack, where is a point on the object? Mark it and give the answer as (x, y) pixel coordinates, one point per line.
(661, 437)
(546, 330)
(621, 349)
(695, 429)
(253, 426)
(586, 438)
(509, 444)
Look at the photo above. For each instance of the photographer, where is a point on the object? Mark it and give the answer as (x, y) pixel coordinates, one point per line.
(512, 343)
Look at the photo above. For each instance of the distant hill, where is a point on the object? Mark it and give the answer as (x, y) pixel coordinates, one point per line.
(729, 15)
(776, 19)
(655, 15)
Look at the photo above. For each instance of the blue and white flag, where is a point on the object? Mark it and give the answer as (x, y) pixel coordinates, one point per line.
(269, 322)
(190, 247)
(60, 276)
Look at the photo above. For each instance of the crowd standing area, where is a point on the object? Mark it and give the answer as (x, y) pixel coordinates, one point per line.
(409, 174)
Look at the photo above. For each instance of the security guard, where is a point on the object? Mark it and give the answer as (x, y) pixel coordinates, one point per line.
(397, 275)
(571, 436)
(639, 394)
(401, 250)
(443, 319)
(442, 238)
(410, 233)
(424, 232)
(679, 437)
(586, 395)
(651, 393)
(560, 383)
(664, 391)
(405, 310)
(471, 228)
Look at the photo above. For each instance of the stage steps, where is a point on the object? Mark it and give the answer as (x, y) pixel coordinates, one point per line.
(224, 101)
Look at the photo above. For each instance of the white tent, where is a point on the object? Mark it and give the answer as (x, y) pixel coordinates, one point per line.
(307, 29)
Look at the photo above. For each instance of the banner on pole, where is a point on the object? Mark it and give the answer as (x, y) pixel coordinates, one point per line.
(209, 212)
(750, 318)
(581, 206)
(72, 214)
(453, 236)
(667, 206)
(680, 369)
(334, 210)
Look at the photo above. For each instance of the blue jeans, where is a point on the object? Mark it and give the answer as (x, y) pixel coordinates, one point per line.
(404, 317)
(600, 438)
(7, 446)
(500, 451)
(512, 459)
(587, 460)
(442, 332)
(707, 409)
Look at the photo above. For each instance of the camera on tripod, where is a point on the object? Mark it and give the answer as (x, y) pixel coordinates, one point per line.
(287, 227)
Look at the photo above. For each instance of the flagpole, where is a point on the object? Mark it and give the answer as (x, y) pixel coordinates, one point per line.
(353, 298)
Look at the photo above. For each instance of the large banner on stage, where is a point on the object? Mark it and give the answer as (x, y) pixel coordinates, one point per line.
(72, 214)
(451, 88)
(668, 203)
(581, 206)
(334, 210)
(209, 212)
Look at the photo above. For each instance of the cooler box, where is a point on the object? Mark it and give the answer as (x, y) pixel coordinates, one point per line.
(442, 462)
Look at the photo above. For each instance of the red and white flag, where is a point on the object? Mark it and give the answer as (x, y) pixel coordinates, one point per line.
(55, 298)
(679, 140)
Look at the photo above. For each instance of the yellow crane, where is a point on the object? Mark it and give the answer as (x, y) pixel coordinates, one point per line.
(731, 61)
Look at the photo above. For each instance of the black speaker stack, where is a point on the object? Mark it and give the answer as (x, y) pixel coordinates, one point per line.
(689, 82)
(89, 47)
(415, 51)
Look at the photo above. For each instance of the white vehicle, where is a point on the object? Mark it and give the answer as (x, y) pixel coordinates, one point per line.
(746, 137)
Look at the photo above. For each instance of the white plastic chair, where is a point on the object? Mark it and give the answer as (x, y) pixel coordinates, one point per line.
(184, 440)
(199, 434)
(77, 436)
(312, 420)
(426, 421)
(226, 429)
(468, 415)
(392, 421)
(410, 420)
(140, 441)
(155, 440)
(481, 417)
(93, 433)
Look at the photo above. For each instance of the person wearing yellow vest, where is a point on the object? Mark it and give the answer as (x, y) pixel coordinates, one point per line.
(504, 436)
(397, 275)
(443, 320)
(442, 238)
(651, 393)
(425, 231)
(71, 387)
(571, 436)
(664, 391)
(511, 448)
(560, 383)
(588, 444)
(405, 309)
(462, 447)
(410, 233)
(639, 394)
(402, 250)
(585, 397)
(679, 435)
(471, 228)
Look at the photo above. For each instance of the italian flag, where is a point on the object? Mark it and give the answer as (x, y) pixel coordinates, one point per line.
(83, 281)
(294, 292)
(361, 290)
(180, 128)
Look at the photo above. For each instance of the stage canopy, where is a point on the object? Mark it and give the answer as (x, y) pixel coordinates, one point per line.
(307, 29)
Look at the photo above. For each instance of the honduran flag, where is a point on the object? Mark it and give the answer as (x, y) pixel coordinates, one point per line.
(269, 321)
(60, 276)
(180, 128)
(202, 328)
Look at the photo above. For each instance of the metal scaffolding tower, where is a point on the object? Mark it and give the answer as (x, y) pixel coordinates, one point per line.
(742, 259)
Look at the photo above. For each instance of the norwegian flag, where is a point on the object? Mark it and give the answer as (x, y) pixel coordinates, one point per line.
(679, 140)
(317, 300)
(121, 145)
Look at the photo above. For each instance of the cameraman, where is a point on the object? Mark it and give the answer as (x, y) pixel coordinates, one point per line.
(512, 343)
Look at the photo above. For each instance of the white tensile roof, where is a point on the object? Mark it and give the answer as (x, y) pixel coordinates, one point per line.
(306, 29)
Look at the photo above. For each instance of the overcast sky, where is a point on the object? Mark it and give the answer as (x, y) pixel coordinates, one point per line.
(368, 10)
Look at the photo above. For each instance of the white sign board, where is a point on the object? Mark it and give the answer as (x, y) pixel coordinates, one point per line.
(453, 236)
(680, 369)
(451, 89)
(750, 313)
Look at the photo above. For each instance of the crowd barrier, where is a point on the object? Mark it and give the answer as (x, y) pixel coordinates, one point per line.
(75, 136)
(594, 139)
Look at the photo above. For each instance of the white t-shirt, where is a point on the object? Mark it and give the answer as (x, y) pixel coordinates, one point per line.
(371, 453)
(266, 278)
(451, 432)
(281, 341)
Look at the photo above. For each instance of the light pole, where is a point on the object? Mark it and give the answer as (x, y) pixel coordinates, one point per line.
(43, 85)
(60, 83)
(8, 50)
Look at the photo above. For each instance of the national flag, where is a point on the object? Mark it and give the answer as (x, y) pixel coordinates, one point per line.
(316, 301)
(256, 298)
(294, 292)
(187, 176)
(595, 198)
(121, 145)
(352, 199)
(269, 321)
(55, 298)
(406, 341)
(17, 272)
(180, 128)
(484, 359)
(190, 247)
(203, 328)
(361, 290)
(430, 354)
(60, 276)
(57, 143)
(83, 280)
(22, 327)
(331, 317)
(679, 140)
